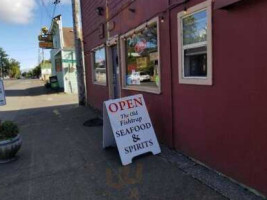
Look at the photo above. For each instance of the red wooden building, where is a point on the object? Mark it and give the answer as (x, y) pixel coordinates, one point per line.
(201, 66)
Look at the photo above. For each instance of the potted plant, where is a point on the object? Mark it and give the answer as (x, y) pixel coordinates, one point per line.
(10, 141)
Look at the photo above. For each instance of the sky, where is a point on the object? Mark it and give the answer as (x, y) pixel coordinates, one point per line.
(20, 25)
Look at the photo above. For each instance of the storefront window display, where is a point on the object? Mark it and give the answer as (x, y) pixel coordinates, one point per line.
(142, 57)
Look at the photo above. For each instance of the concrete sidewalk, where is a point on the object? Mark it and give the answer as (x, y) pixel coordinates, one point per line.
(63, 160)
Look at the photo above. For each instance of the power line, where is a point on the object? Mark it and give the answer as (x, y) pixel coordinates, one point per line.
(41, 23)
(55, 6)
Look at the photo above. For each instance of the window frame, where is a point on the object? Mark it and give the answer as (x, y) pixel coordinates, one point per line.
(194, 80)
(93, 63)
(156, 90)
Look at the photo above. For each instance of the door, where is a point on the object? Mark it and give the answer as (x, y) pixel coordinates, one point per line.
(115, 71)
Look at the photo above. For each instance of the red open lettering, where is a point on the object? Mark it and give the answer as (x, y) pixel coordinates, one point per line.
(136, 101)
(122, 105)
(130, 103)
(113, 107)
(127, 104)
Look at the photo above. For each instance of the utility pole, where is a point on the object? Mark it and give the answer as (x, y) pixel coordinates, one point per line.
(78, 52)
(1, 65)
(43, 55)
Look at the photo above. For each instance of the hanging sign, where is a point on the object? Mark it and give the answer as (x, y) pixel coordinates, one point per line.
(46, 45)
(2, 94)
(127, 124)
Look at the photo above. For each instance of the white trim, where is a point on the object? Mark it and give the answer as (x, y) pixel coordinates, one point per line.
(113, 41)
(92, 64)
(195, 45)
(195, 80)
(155, 90)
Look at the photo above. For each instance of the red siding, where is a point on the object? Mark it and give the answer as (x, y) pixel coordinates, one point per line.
(116, 5)
(96, 93)
(222, 125)
(224, 3)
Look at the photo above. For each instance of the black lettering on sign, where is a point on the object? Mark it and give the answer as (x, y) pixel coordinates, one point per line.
(133, 129)
(138, 146)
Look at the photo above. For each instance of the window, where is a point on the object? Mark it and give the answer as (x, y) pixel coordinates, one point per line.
(195, 55)
(99, 66)
(58, 62)
(141, 67)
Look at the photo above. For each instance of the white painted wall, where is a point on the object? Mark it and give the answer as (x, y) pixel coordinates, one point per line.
(70, 72)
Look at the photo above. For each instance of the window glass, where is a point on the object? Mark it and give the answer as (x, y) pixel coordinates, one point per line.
(195, 44)
(58, 64)
(100, 66)
(142, 58)
(195, 28)
(195, 62)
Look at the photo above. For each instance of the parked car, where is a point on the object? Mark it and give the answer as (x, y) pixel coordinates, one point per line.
(144, 77)
(139, 76)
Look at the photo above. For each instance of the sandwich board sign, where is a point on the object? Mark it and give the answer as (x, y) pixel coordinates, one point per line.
(2, 94)
(127, 124)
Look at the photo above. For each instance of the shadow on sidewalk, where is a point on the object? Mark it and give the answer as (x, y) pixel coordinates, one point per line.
(34, 91)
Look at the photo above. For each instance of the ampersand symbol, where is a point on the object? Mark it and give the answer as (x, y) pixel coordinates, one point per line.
(135, 138)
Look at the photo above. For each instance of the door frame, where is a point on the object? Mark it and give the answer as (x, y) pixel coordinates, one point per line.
(110, 43)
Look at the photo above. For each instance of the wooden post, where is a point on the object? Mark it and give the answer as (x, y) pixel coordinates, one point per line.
(78, 52)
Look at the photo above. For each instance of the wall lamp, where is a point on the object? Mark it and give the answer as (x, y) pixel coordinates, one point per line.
(99, 11)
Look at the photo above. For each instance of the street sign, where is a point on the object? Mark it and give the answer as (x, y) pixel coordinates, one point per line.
(2, 94)
(127, 124)
(46, 45)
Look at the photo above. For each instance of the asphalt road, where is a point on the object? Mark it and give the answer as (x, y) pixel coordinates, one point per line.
(30, 93)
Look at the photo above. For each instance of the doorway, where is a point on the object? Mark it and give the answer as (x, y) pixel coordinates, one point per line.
(113, 68)
(116, 71)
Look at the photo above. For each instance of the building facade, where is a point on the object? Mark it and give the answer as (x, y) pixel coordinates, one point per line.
(63, 56)
(201, 68)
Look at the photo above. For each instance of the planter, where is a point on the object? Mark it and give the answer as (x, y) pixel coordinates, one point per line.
(9, 148)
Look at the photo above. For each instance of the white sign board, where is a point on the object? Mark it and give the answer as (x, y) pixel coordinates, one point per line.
(2, 94)
(127, 124)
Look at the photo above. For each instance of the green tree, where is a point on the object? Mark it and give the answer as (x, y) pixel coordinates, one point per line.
(4, 63)
(29, 74)
(14, 68)
(24, 74)
(36, 72)
(8, 67)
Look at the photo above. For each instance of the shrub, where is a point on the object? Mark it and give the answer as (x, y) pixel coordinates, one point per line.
(8, 130)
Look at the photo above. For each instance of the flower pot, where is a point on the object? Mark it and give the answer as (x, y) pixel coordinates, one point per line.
(9, 148)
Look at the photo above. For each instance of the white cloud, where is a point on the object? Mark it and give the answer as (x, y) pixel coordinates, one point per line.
(18, 11)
